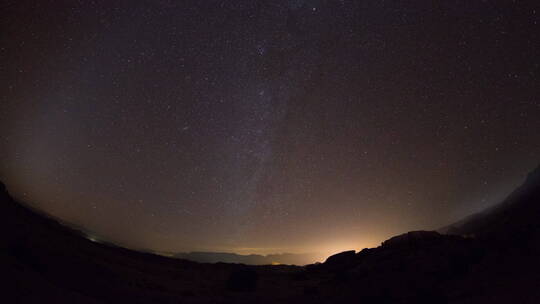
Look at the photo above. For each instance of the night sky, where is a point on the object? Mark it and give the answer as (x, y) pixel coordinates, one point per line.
(267, 126)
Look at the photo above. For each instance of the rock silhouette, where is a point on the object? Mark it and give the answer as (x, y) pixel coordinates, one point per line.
(491, 257)
(413, 239)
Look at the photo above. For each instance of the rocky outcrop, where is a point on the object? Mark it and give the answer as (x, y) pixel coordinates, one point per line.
(341, 260)
(413, 239)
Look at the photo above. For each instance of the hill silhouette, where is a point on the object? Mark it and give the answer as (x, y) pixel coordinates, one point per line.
(515, 219)
(491, 257)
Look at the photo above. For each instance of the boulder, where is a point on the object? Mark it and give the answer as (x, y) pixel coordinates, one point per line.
(413, 239)
(342, 259)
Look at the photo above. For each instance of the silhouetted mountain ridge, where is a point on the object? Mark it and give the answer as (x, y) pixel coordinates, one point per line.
(517, 214)
(487, 258)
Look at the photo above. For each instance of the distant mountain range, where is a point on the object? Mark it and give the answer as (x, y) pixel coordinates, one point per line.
(251, 259)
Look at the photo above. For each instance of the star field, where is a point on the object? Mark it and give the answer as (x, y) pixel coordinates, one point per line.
(267, 126)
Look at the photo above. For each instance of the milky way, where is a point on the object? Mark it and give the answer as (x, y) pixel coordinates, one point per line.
(267, 126)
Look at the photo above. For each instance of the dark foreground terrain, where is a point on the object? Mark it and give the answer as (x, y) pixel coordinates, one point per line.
(491, 257)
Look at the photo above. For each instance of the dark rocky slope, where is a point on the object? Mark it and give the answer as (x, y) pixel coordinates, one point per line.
(515, 220)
